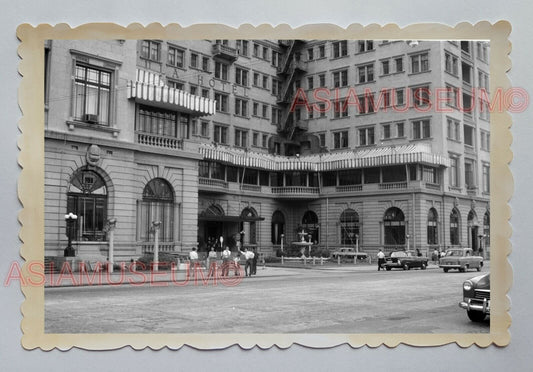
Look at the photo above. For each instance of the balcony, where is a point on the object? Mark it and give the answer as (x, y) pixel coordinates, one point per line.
(296, 192)
(393, 185)
(154, 140)
(224, 52)
(211, 184)
(255, 188)
(349, 188)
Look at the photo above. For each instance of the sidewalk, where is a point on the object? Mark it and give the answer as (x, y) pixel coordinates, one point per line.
(179, 277)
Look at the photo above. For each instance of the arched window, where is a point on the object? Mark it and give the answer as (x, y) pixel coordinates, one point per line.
(454, 227)
(157, 205)
(310, 225)
(277, 227)
(87, 198)
(349, 223)
(433, 235)
(394, 226)
(249, 226)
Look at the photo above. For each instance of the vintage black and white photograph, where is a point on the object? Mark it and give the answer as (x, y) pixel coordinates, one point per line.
(267, 186)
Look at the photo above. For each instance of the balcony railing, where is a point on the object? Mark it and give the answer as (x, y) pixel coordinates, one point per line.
(256, 188)
(296, 191)
(159, 141)
(433, 186)
(349, 188)
(393, 185)
(212, 182)
(224, 51)
(148, 247)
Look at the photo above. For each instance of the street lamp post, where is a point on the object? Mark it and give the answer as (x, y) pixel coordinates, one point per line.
(70, 219)
(155, 226)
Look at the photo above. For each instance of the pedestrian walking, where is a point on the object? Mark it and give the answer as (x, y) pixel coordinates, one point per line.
(226, 261)
(381, 259)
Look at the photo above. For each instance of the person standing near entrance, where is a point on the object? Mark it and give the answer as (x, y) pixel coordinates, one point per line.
(193, 259)
(381, 259)
(226, 261)
(254, 262)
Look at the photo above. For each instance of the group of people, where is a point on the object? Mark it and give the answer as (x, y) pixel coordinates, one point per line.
(228, 262)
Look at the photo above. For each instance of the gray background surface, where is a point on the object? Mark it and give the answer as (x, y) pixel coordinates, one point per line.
(516, 357)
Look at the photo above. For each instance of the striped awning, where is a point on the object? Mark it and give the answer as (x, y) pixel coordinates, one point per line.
(375, 157)
(151, 89)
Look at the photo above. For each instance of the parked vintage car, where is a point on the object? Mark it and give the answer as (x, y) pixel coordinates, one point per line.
(476, 297)
(348, 253)
(405, 260)
(461, 259)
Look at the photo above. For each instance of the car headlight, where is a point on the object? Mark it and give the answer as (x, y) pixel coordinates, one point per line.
(467, 285)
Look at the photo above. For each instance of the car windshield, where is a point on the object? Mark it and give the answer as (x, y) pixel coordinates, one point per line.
(454, 253)
(398, 254)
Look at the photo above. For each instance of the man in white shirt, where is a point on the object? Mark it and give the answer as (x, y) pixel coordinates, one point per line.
(226, 261)
(193, 258)
(248, 256)
(381, 259)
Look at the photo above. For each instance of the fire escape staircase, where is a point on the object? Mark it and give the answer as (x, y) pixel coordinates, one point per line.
(289, 69)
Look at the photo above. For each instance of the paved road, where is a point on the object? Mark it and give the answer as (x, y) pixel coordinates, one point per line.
(295, 301)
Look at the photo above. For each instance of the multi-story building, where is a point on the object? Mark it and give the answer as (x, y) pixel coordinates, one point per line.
(366, 143)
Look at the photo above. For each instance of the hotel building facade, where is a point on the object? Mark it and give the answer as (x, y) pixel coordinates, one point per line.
(363, 143)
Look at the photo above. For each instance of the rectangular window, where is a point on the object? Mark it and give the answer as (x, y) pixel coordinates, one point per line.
(265, 81)
(366, 103)
(221, 71)
(92, 95)
(241, 76)
(241, 138)
(193, 89)
(151, 50)
(204, 130)
(340, 78)
(421, 96)
(256, 50)
(399, 93)
(386, 131)
(451, 63)
(465, 47)
(310, 56)
(264, 141)
(454, 171)
(322, 51)
(466, 71)
(453, 129)
(176, 57)
(421, 129)
(255, 137)
(485, 141)
(430, 174)
(340, 140)
(338, 109)
(221, 102)
(365, 45)
(241, 107)
(205, 93)
(340, 49)
(255, 108)
(157, 121)
(322, 139)
(486, 178)
(194, 60)
(398, 61)
(469, 135)
(242, 47)
(366, 136)
(322, 80)
(265, 53)
(310, 82)
(265, 111)
(205, 64)
(482, 80)
(366, 73)
(220, 134)
(175, 84)
(400, 130)
(470, 180)
(385, 70)
(419, 63)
